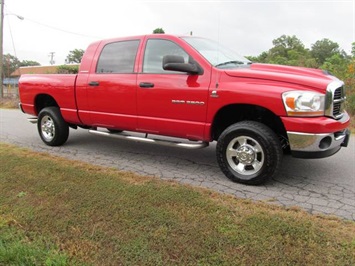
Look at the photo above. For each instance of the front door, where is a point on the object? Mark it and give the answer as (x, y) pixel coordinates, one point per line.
(170, 103)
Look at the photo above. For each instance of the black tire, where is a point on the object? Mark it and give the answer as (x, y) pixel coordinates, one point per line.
(249, 152)
(52, 128)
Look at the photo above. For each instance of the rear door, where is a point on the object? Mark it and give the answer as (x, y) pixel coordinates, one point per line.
(170, 103)
(111, 88)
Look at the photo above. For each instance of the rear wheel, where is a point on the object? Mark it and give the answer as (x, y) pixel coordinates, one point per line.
(249, 152)
(52, 128)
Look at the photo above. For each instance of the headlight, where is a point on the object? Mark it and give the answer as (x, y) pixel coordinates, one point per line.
(304, 103)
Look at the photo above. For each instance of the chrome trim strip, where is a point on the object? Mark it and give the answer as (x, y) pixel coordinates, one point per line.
(335, 84)
(329, 99)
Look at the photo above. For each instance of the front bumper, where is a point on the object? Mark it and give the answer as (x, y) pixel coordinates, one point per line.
(306, 145)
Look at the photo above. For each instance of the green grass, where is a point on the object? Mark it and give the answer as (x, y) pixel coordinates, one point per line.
(64, 212)
(18, 248)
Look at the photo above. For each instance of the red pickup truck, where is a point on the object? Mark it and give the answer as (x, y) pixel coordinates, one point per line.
(196, 91)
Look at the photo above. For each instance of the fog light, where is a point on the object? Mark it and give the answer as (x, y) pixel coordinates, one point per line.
(325, 143)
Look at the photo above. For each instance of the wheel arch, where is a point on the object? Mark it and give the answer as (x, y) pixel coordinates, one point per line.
(235, 113)
(44, 100)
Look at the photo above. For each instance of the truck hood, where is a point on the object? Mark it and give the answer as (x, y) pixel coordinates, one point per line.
(314, 78)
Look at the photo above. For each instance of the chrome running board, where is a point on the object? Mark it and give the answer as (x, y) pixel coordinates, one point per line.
(186, 145)
(32, 120)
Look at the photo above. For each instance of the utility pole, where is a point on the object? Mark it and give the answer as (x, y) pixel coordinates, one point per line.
(51, 55)
(1, 48)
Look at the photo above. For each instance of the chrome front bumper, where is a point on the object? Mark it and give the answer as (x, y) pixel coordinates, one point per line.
(304, 145)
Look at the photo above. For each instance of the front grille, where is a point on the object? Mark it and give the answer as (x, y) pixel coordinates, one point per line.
(335, 100)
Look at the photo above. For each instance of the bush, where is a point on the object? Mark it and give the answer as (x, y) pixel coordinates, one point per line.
(68, 69)
(350, 104)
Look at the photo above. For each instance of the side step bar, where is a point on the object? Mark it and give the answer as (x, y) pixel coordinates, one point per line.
(186, 145)
(32, 120)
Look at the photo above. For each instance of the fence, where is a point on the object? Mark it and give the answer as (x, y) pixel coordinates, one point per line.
(10, 91)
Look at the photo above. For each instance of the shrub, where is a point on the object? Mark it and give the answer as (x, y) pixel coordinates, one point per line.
(68, 69)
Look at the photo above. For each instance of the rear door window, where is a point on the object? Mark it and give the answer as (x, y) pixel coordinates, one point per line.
(118, 57)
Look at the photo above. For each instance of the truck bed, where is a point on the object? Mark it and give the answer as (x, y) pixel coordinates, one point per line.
(60, 86)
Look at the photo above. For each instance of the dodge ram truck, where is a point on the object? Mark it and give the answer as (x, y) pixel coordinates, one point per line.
(193, 91)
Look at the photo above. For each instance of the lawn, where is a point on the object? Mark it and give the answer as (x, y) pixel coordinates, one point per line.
(59, 212)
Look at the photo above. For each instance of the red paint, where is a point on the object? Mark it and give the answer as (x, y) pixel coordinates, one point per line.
(119, 102)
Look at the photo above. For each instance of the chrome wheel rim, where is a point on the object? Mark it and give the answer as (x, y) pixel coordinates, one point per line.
(47, 128)
(245, 156)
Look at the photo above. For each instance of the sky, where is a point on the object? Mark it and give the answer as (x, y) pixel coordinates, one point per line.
(247, 27)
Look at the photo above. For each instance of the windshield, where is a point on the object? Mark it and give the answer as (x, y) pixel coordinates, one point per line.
(216, 54)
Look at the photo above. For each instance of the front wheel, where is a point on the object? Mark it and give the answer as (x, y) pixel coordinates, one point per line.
(249, 152)
(52, 128)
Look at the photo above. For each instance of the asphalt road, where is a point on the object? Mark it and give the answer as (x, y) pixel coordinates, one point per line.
(319, 186)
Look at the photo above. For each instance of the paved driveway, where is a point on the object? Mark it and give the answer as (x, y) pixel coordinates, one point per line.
(324, 186)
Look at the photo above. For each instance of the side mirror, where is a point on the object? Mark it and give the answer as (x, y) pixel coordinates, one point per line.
(177, 63)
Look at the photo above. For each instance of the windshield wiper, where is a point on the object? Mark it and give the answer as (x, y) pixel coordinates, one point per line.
(232, 62)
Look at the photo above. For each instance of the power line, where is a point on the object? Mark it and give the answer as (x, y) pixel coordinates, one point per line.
(62, 30)
(12, 37)
(52, 27)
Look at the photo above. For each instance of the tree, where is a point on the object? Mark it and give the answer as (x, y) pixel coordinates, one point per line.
(284, 44)
(10, 64)
(353, 50)
(336, 65)
(287, 50)
(158, 30)
(323, 49)
(29, 63)
(75, 56)
(262, 58)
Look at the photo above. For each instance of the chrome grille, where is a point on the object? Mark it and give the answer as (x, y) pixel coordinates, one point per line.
(335, 100)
